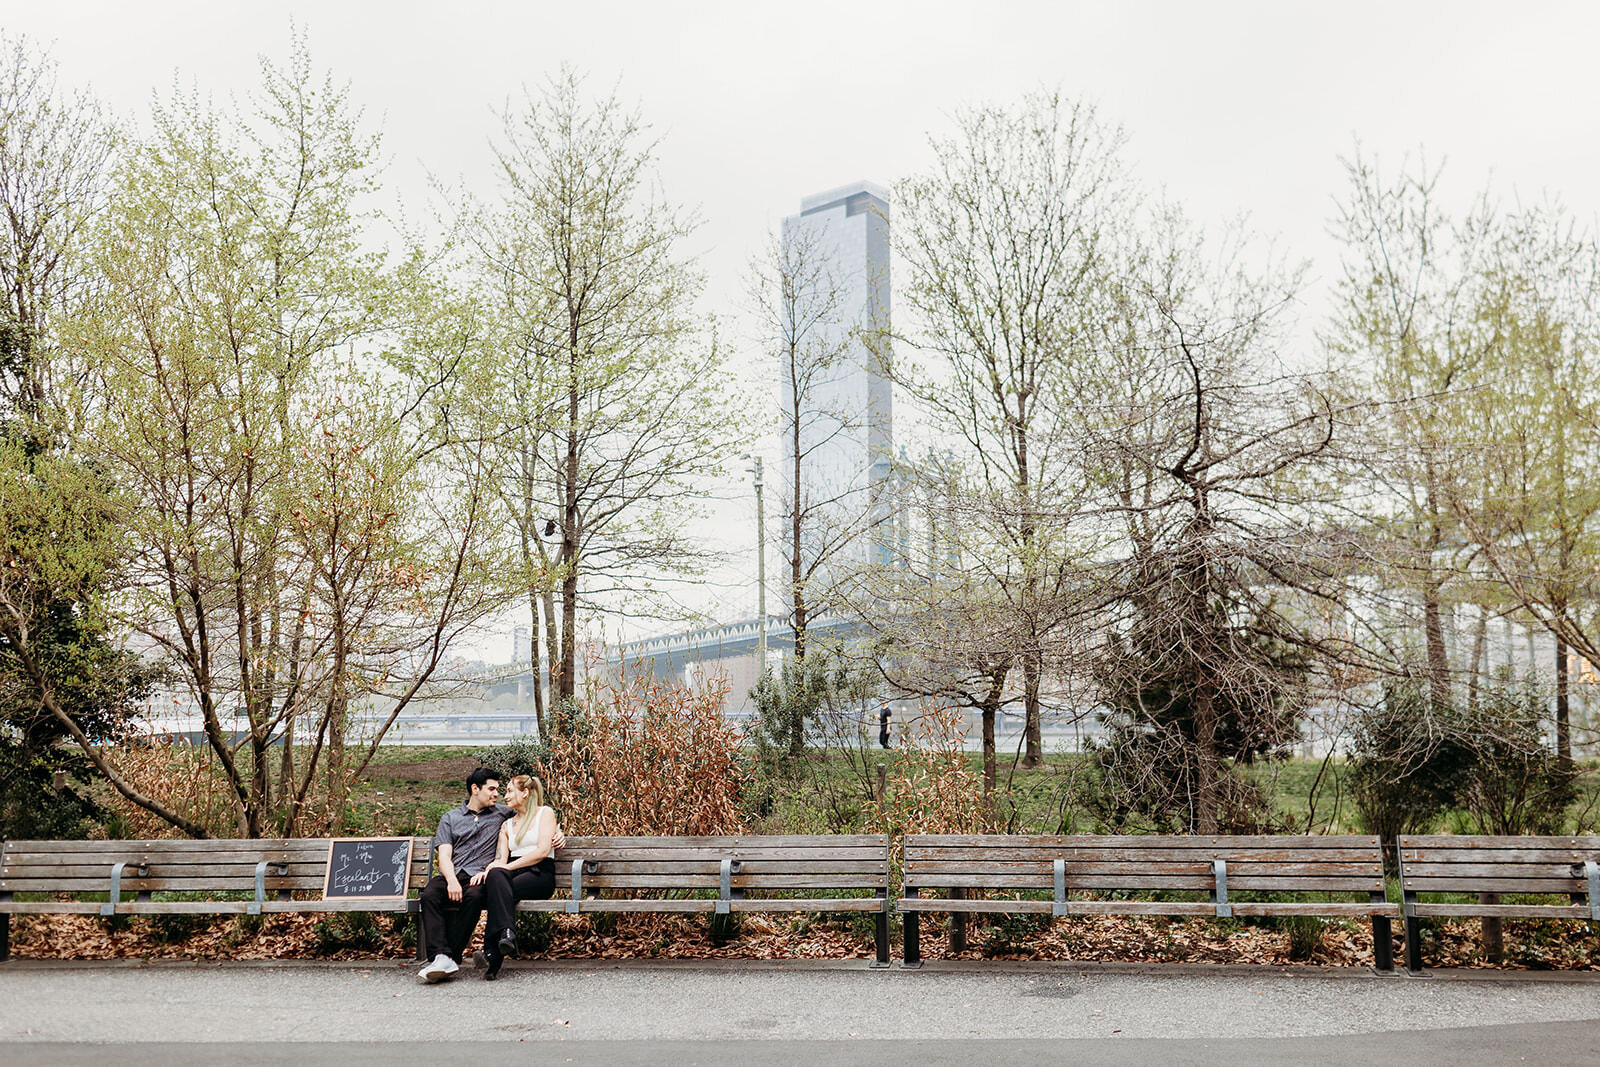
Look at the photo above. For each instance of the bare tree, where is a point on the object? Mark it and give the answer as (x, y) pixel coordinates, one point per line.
(269, 401)
(1006, 243)
(808, 326)
(54, 151)
(951, 617)
(1405, 326)
(626, 405)
(1210, 450)
(1525, 487)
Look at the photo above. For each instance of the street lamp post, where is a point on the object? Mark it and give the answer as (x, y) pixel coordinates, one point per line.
(761, 577)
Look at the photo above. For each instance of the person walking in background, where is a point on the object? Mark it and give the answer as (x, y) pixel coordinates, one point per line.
(884, 715)
(524, 867)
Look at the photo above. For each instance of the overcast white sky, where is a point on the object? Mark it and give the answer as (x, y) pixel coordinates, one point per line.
(1230, 108)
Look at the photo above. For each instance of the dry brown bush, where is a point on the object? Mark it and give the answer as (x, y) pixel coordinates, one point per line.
(650, 758)
(932, 787)
(181, 778)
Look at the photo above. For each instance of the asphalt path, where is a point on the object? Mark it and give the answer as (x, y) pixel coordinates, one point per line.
(744, 1012)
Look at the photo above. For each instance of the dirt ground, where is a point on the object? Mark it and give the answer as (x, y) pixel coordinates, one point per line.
(454, 769)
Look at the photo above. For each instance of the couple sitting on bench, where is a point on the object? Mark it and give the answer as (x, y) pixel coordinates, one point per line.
(499, 853)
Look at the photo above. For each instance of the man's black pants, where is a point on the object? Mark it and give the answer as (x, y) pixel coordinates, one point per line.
(447, 926)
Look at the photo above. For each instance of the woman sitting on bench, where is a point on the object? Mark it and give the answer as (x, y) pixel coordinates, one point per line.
(524, 867)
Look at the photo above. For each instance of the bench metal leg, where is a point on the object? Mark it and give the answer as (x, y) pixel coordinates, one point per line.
(880, 935)
(1382, 944)
(912, 936)
(5, 938)
(1413, 944)
(422, 938)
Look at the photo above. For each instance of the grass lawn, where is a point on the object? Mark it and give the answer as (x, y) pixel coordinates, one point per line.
(407, 789)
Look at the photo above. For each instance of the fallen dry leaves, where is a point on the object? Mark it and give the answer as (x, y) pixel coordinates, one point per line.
(1530, 944)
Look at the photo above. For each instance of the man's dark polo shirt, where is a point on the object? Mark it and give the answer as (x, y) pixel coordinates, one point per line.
(471, 836)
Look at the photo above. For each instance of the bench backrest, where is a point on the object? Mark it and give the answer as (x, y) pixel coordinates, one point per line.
(1263, 863)
(1451, 863)
(759, 863)
(215, 865)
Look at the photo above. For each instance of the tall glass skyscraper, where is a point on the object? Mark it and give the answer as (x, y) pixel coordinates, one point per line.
(847, 417)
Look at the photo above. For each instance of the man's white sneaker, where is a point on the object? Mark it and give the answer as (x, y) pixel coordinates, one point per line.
(441, 968)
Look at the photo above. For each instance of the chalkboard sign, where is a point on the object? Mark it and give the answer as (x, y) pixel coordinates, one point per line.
(367, 868)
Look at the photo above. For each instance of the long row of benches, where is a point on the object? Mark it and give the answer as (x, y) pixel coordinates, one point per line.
(1055, 875)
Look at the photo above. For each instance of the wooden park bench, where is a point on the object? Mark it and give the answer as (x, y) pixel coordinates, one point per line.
(725, 876)
(1491, 867)
(258, 876)
(1068, 867)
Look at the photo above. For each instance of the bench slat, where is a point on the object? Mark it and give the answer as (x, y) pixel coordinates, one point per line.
(982, 880)
(1485, 884)
(1317, 841)
(760, 852)
(723, 843)
(1000, 854)
(1561, 869)
(1194, 867)
(738, 881)
(1457, 842)
(748, 867)
(1509, 911)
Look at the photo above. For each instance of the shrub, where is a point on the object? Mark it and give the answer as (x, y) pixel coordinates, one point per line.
(1411, 762)
(176, 929)
(535, 931)
(180, 776)
(1408, 761)
(1013, 933)
(653, 757)
(341, 930)
(1515, 784)
(811, 700)
(932, 786)
(1184, 663)
(1305, 935)
(520, 755)
(786, 703)
(30, 805)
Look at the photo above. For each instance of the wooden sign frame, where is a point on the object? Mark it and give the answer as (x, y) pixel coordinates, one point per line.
(405, 882)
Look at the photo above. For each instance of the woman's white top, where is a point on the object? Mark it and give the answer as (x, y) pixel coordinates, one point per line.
(530, 837)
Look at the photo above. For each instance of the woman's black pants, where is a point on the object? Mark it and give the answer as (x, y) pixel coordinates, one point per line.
(507, 887)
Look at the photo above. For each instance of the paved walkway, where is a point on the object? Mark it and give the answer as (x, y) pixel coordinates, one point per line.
(819, 1013)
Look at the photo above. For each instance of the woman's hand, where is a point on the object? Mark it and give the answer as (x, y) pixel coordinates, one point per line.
(478, 878)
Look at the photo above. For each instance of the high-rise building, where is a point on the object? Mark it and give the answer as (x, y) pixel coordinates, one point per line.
(847, 417)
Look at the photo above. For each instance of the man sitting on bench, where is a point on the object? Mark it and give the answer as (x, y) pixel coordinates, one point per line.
(466, 842)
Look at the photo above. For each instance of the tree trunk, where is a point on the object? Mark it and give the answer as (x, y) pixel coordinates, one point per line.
(566, 677)
(797, 582)
(532, 666)
(1480, 642)
(1563, 704)
(552, 648)
(1438, 660)
(1206, 763)
(990, 764)
(1032, 668)
(567, 673)
(1494, 946)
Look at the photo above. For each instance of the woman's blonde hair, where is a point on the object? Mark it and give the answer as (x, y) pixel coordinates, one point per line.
(530, 810)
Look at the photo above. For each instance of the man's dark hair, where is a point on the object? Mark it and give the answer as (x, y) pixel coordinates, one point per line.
(479, 778)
